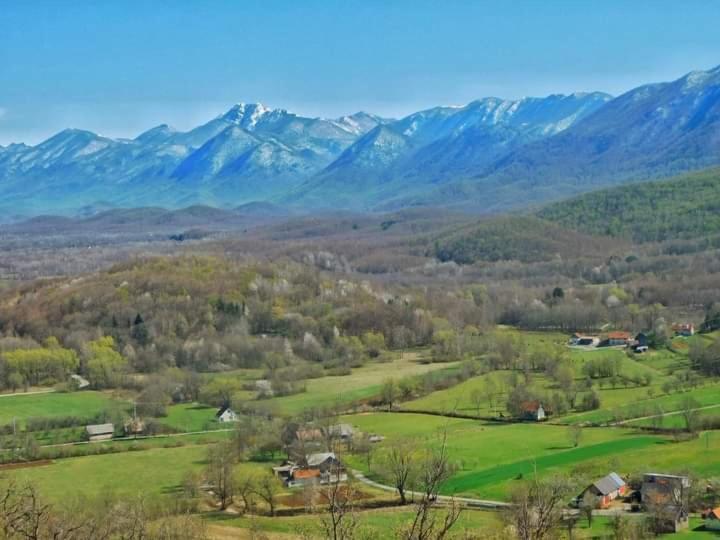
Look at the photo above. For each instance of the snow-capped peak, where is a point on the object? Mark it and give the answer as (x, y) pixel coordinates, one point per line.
(246, 115)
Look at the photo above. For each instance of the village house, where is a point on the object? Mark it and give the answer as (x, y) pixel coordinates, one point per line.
(309, 435)
(320, 468)
(581, 340)
(641, 343)
(618, 338)
(605, 490)
(712, 519)
(533, 410)
(343, 432)
(100, 432)
(226, 414)
(683, 329)
(666, 496)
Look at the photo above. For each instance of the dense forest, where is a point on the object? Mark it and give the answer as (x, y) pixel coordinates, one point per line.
(681, 208)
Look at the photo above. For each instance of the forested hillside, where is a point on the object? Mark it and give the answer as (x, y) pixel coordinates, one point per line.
(683, 207)
(521, 238)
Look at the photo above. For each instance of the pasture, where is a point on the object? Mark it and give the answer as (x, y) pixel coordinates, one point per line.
(489, 456)
(363, 383)
(85, 404)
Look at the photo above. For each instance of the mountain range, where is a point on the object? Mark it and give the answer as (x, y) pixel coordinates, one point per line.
(489, 155)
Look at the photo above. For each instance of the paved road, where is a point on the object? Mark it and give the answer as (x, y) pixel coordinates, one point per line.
(466, 501)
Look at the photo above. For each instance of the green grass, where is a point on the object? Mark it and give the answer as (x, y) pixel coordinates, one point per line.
(82, 404)
(364, 382)
(191, 417)
(489, 456)
(152, 472)
(157, 471)
(379, 524)
(643, 405)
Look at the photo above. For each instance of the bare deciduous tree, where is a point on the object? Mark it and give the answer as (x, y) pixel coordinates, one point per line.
(427, 525)
(537, 508)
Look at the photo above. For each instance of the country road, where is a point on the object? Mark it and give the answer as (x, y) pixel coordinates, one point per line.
(466, 501)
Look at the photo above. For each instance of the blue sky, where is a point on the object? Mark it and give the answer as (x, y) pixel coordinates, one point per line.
(121, 67)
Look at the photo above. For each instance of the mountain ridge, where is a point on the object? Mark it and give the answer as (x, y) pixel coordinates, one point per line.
(488, 155)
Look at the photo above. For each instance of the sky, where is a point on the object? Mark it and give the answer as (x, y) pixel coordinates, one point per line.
(119, 68)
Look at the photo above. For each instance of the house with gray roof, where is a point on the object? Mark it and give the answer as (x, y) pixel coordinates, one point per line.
(100, 432)
(602, 492)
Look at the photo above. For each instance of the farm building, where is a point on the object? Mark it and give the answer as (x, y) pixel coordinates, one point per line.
(100, 432)
(344, 432)
(226, 414)
(309, 435)
(666, 495)
(683, 329)
(712, 519)
(605, 490)
(641, 343)
(533, 410)
(319, 468)
(615, 339)
(581, 340)
(304, 477)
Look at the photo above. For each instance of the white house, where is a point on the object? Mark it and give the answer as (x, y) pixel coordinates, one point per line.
(226, 414)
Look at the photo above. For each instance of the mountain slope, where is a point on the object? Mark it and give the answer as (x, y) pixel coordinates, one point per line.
(432, 146)
(683, 207)
(249, 152)
(653, 131)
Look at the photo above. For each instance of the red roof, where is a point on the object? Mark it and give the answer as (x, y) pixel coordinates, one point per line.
(715, 513)
(619, 335)
(683, 326)
(530, 406)
(306, 473)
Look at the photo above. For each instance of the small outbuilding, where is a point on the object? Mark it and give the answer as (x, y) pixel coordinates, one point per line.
(533, 410)
(100, 432)
(344, 432)
(226, 414)
(605, 490)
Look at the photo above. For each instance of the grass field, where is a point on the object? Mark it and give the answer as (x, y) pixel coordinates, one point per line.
(363, 383)
(158, 471)
(490, 456)
(153, 472)
(82, 404)
(379, 524)
(191, 417)
(643, 405)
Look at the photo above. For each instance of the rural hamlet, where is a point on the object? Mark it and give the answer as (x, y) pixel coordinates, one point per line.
(353, 270)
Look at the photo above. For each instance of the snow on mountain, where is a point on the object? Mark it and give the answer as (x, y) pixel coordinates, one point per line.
(490, 152)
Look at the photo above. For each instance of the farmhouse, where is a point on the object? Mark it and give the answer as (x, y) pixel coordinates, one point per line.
(226, 414)
(615, 339)
(712, 519)
(581, 340)
(308, 435)
(533, 410)
(641, 343)
(666, 497)
(100, 432)
(321, 468)
(683, 329)
(344, 432)
(605, 490)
